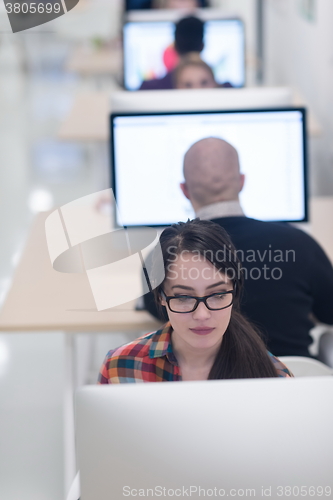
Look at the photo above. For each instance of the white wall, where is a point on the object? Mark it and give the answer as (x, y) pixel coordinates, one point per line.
(299, 52)
(246, 10)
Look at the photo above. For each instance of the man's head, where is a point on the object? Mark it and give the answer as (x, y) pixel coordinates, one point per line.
(211, 172)
(189, 35)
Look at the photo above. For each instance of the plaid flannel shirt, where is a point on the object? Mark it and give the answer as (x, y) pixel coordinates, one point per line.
(150, 359)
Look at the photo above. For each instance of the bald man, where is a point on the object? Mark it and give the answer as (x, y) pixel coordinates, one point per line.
(288, 277)
(212, 175)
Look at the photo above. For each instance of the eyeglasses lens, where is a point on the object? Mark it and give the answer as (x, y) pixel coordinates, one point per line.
(187, 304)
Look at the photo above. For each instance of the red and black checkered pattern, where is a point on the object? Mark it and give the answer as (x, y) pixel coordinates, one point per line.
(150, 359)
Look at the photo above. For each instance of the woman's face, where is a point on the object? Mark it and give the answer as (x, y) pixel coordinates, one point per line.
(181, 4)
(191, 274)
(195, 77)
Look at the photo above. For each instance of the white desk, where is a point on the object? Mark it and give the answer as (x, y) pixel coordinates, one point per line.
(41, 299)
(89, 61)
(49, 300)
(88, 118)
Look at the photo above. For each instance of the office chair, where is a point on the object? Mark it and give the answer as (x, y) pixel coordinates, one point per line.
(306, 367)
(325, 348)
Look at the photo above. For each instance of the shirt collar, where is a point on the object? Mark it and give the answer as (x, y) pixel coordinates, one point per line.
(161, 344)
(220, 209)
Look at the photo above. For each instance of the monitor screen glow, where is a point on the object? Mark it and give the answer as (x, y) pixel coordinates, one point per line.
(148, 51)
(147, 174)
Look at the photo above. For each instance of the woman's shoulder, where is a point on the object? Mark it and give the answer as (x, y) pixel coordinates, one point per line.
(146, 345)
(133, 362)
(138, 347)
(282, 369)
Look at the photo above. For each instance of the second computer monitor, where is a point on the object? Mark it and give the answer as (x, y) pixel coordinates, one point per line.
(148, 50)
(148, 151)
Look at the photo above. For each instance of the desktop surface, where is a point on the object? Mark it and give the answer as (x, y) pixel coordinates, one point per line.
(54, 301)
(263, 437)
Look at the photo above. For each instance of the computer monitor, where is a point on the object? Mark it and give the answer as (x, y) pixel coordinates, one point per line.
(148, 51)
(148, 151)
(201, 99)
(137, 5)
(220, 438)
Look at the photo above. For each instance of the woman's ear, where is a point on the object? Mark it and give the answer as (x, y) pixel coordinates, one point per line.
(162, 300)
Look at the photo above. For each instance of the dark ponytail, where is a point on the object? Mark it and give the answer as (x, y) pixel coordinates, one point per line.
(242, 353)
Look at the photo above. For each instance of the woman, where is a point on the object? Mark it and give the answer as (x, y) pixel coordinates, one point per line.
(206, 336)
(193, 73)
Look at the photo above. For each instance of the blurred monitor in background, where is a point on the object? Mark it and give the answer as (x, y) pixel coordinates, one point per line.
(153, 48)
(138, 4)
(165, 4)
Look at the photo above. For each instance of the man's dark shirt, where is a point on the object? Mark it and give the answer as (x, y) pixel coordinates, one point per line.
(296, 282)
(165, 83)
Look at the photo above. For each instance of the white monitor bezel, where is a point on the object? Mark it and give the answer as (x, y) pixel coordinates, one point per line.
(302, 110)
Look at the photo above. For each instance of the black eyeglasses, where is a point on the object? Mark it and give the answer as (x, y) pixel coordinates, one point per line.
(188, 303)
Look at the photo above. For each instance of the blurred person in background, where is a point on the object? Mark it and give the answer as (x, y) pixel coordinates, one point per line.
(194, 73)
(180, 4)
(189, 33)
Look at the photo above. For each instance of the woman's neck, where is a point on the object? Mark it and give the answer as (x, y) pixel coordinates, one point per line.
(193, 358)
